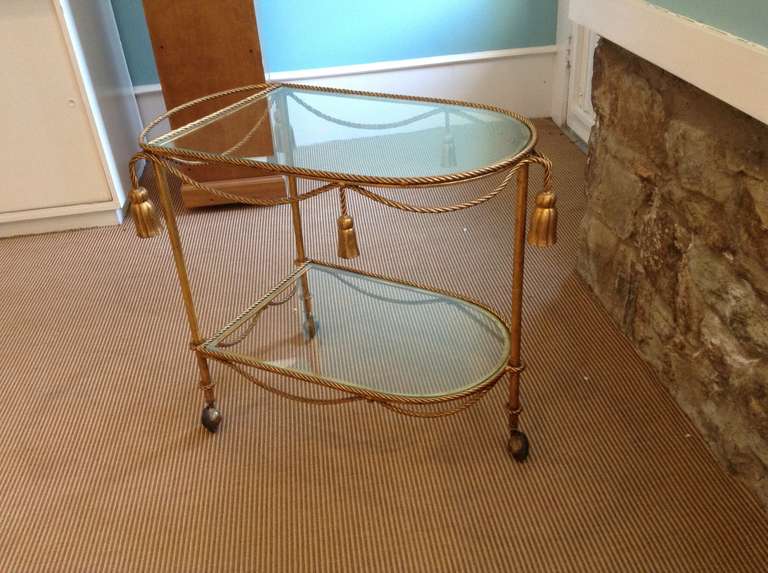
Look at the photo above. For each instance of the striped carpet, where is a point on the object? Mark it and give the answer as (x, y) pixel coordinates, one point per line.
(106, 468)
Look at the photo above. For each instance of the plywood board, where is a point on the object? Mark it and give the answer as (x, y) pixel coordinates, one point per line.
(202, 47)
(272, 187)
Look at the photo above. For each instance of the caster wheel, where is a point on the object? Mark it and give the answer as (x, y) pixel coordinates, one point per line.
(310, 328)
(517, 446)
(211, 418)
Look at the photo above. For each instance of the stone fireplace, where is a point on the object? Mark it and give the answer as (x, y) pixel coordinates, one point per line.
(675, 246)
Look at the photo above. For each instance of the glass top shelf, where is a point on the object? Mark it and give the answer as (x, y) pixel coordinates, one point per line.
(371, 333)
(358, 136)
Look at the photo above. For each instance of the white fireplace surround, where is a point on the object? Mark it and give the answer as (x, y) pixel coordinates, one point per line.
(725, 66)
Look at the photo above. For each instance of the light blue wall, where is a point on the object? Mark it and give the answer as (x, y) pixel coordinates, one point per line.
(299, 34)
(745, 18)
(135, 39)
(303, 34)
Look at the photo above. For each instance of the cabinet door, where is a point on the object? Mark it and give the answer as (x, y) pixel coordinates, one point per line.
(49, 156)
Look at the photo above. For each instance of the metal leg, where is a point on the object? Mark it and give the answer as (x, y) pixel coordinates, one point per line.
(211, 417)
(518, 441)
(310, 324)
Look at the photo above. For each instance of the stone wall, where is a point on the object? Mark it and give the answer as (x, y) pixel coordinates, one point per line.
(675, 245)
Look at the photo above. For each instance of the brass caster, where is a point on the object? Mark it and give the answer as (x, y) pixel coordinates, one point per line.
(517, 445)
(310, 327)
(211, 417)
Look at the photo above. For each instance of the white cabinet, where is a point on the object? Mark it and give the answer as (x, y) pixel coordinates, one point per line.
(68, 117)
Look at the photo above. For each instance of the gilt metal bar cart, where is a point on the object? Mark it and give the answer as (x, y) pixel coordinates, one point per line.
(411, 348)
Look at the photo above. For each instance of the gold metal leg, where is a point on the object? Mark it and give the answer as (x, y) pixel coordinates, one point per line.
(211, 416)
(310, 325)
(518, 442)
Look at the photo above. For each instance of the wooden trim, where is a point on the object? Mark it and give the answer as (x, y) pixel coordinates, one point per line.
(270, 187)
(52, 224)
(58, 211)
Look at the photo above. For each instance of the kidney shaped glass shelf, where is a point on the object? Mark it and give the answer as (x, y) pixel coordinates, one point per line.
(335, 135)
(368, 334)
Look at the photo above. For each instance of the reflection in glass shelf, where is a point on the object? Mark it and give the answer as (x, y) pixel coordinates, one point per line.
(359, 135)
(371, 333)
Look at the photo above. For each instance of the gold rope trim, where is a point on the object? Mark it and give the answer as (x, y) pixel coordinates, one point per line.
(356, 125)
(343, 199)
(245, 139)
(265, 89)
(533, 158)
(365, 393)
(466, 404)
(251, 324)
(431, 210)
(218, 192)
(155, 147)
(295, 397)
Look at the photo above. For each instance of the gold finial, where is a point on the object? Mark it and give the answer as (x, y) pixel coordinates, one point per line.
(347, 238)
(144, 214)
(543, 229)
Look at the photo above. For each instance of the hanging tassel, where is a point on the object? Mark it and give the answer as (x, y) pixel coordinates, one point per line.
(543, 229)
(144, 214)
(347, 238)
(346, 227)
(449, 151)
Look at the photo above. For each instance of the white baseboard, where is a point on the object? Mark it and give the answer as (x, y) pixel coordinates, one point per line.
(53, 224)
(414, 63)
(581, 123)
(518, 79)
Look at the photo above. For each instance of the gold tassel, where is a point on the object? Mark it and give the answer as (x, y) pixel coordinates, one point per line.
(449, 152)
(144, 214)
(543, 229)
(347, 238)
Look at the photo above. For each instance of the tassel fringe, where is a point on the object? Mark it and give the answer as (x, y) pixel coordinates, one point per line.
(543, 229)
(144, 214)
(347, 238)
(346, 226)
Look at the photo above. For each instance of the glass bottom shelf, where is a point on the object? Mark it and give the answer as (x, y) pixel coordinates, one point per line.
(354, 332)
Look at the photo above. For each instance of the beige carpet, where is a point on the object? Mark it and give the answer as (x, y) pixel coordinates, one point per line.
(106, 468)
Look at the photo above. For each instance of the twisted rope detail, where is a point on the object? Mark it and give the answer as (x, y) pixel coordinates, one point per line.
(468, 402)
(393, 402)
(295, 397)
(229, 151)
(157, 147)
(234, 197)
(343, 200)
(531, 159)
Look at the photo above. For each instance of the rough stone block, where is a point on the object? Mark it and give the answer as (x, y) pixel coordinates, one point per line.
(675, 245)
